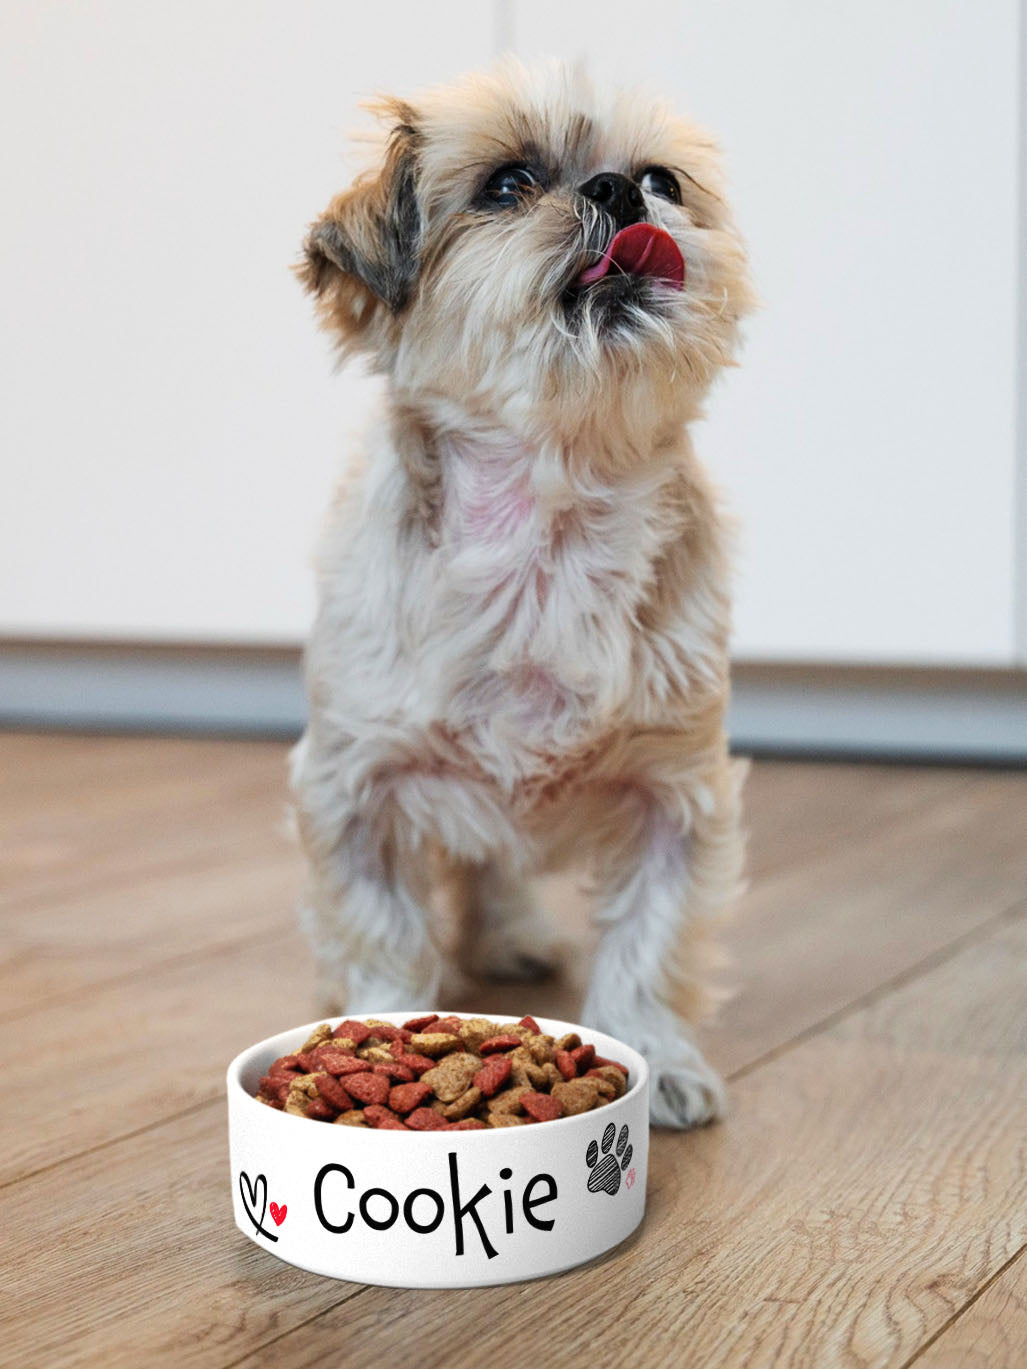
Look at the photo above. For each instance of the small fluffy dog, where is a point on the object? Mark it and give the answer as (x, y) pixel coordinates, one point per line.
(520, 654)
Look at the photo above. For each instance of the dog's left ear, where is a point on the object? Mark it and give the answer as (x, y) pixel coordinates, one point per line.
(361, 256)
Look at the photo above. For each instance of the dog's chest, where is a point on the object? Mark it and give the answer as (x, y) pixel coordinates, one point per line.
(538, 579)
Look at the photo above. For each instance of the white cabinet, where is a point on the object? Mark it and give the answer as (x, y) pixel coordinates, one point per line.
(170, 425)
(868, 442)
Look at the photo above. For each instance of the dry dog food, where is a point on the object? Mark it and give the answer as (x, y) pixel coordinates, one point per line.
(440, 1074)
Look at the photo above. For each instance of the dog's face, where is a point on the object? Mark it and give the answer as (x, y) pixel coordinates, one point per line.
(528, 245)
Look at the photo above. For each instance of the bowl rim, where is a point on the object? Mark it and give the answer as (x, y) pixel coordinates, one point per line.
(273, 1117)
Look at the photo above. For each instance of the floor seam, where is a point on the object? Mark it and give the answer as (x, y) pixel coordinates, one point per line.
(941, 956)
(955, 1317)
(315, 1316)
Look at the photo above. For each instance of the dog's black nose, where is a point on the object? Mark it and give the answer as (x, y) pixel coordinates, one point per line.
(619, 196)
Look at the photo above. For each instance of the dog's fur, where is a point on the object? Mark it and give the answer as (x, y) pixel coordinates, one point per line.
(520, 655)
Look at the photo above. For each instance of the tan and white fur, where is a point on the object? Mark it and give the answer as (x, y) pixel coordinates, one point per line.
(520, 654)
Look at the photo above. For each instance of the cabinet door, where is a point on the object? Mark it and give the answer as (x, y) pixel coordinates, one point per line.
(170, 426)
(868, 440)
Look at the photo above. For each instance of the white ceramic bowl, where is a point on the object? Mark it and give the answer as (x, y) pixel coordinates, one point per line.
(437, 1209)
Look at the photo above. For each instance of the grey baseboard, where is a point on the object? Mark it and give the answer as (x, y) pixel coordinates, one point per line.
(788, 710)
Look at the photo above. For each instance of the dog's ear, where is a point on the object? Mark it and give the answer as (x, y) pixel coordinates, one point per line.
(361, 256)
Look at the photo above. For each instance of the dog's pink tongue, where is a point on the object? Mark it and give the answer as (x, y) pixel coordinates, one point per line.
(641, 249)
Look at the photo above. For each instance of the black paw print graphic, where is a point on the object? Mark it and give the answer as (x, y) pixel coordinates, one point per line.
(606, 1168)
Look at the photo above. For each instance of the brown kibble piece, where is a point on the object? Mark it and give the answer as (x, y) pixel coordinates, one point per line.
(452, 1075)
(613, 1076)
(507, 1101)
(434, 1044)
(319, 1034)
(505, 1119)
(301, 1090)
(576, 1095)
(475, 1030)
(468, 1124)
(568, 1042)
(355, 1118)
(460, 1107)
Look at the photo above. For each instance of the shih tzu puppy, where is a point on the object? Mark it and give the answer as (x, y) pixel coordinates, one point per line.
(520, 654)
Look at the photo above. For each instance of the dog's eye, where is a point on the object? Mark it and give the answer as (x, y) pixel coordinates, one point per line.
(657, 180)
(509, 186)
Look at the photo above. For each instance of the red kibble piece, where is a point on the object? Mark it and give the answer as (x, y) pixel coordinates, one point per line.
(466, 1124)
(507, 1042)
(382, 1119)
(276, 1086)
(493, 1075)
(286, 1062)
(368, 1088)
(582, 1057)
(356, 1031)
(418, 1063)
(320, 1110)
(542, 1106)
(566, 1064)
(401, 1073)
(338, 1062)
(332, 1092)
(601, 1060)
(450, 1025)
(307, 1062)
(531, 1025)
(418, 1024)
(384, 1032)
(406, 1097)
(426, 1119)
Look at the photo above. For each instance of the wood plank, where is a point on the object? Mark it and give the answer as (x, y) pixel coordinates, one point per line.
(139, 1051)
(169, 802)
(796, 811)
(77, 943)
(172, 808)
(991, 1333)
(188, 1016)
(822, 932)
(129, 1257)
(867, 1184)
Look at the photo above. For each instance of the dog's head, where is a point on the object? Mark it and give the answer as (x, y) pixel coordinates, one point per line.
(526, 244)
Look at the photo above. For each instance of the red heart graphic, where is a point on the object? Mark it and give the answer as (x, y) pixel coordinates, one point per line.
(278, 1213)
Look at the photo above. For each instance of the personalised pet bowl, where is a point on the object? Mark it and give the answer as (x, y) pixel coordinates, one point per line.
(437, 1209)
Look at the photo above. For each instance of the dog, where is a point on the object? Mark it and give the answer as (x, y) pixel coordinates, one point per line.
(520, 654)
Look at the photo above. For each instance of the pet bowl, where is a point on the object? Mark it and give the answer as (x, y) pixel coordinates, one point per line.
(437, 1209)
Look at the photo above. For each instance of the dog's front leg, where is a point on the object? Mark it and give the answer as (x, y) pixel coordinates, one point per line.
(365, 917)
(654, 887)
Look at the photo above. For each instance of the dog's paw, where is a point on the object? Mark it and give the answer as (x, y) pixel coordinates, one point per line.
(686, 1093)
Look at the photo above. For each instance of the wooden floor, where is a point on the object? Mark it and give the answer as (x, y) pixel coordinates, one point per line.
(865, 1203)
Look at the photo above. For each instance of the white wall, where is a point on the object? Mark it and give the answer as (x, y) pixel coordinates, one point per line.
(170, 421)
(869, 440)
